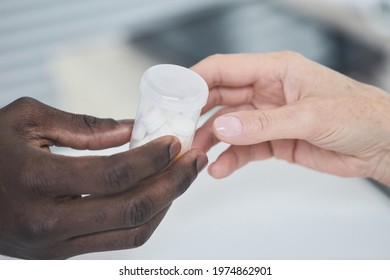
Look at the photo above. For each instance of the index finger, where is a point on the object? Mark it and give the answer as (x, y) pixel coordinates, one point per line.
(236, 70)
(233, 79)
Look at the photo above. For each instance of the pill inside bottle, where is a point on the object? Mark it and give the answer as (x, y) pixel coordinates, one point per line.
(171, 100)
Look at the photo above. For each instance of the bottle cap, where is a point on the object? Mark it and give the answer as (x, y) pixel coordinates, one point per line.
(174, 87)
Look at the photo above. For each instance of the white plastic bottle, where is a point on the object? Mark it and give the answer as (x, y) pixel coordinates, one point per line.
(171, 100)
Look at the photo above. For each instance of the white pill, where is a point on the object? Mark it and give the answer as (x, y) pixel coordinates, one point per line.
(162, 131)
(151, 116)
(182, 126)
(153, 120)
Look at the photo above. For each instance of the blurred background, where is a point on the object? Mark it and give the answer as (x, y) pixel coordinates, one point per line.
(88, 57)
(70, 54)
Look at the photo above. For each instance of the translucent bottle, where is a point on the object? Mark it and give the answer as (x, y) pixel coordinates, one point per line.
(172, 97)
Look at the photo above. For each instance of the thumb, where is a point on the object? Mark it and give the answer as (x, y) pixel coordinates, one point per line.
(251, 127)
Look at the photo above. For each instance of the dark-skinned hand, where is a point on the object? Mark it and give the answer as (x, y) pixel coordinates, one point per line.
(54, 206)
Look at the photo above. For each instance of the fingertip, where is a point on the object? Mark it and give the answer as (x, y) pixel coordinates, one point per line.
(216, 171)
(169, 142)
(211, 171)
(174, 148)
(201, 162)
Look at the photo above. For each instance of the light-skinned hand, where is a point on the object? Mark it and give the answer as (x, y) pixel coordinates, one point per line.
(285, 106)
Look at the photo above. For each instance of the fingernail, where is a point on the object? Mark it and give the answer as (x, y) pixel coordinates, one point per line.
(228, 126)
(174, 149)
(201, 162)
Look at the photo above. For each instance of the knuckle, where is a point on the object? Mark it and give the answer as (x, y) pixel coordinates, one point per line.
(29, 108)
(84, 120)
(94, 123)
(26, 114)
(89, 121)
(180, 178)
(137, 212)
(215, 57)
(185, 180)
(30, 180)
(261, 123)
(291, 56)
(35, 181)
(37, 230)
(118, 177)
(293, 62)
(26, 102)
